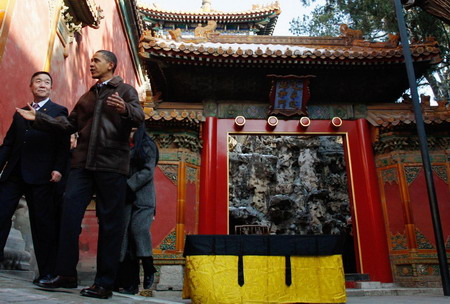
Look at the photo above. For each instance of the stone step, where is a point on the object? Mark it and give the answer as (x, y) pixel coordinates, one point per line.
(395, 291)
(353, 277)
(368, 285)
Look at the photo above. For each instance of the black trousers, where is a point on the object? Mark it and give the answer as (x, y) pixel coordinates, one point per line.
(128, 274)
(43, 213)
(110, 190)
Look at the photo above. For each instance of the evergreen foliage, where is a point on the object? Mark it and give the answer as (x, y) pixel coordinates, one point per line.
(376, 18)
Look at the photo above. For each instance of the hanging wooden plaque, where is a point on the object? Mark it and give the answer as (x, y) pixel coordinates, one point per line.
(289, 94)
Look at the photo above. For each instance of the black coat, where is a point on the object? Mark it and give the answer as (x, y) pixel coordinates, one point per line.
(37, 152)
(103, 133)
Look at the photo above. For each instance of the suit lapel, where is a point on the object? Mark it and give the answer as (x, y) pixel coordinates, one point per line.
(46, 107)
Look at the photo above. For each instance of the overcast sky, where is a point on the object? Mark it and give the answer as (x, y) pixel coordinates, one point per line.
(290, 9)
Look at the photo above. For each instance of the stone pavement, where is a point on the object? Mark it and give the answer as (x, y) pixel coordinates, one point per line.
(19, 290)
(423, 299)
(15, 288)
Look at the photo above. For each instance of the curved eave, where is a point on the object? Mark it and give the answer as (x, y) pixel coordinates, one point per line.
(270, 27)
(176, 115)
(255, 55)
(392, 118)
(203, 17)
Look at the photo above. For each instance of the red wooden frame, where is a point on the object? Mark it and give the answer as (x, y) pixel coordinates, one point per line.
(369, 228)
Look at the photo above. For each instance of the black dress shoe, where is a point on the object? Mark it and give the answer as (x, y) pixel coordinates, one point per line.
(43, 279)
(59, 281)
(96, 291)
(149, 271)
(130, 290)
(148, 280)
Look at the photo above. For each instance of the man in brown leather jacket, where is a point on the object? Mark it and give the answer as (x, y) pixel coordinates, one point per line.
(103, 118)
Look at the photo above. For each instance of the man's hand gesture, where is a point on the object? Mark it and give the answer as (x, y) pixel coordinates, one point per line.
(56, 176)
(27, 114)
(117, 103)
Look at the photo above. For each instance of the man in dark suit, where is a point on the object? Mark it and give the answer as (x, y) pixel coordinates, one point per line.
(31, 163)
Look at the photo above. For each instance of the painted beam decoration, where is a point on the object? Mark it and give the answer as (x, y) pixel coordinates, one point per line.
(289, 94)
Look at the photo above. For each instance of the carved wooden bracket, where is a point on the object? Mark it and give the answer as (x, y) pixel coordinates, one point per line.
(85, 12)
(74, 16)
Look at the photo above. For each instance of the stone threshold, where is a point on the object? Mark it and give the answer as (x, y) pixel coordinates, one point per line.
(371, 288)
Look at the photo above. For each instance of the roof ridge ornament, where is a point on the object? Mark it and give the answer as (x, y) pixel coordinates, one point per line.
(205, 31)
(206, 6)
(175, 34)
(350, 34)
(275, 4)
(392, 42)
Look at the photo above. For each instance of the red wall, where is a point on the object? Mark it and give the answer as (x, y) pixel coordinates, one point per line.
(72, 73)
(25, 52)
(394, 203)
(421, 206)
(166, 206)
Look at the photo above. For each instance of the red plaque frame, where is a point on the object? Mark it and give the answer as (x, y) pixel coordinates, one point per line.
(289, 94)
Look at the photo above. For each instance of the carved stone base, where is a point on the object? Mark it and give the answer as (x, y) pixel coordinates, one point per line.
(416, 270)
(170, 277)
(15, 256)
(19, 251)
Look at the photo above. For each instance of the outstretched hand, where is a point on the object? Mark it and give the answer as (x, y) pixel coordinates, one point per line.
(56, 176)
(117, 103)
(73, 141)
(27, 114)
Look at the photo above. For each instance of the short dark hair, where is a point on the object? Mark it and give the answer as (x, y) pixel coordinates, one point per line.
(110, 57)
(39, 73)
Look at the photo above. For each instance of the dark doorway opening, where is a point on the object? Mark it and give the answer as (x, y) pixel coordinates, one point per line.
(290, 184)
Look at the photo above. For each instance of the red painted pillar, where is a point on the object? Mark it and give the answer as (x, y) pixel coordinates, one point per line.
(207, 205)
(371, 228)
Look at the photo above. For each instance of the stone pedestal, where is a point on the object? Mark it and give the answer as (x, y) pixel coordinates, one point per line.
(15, 255)
(19, 251)
(170, 278)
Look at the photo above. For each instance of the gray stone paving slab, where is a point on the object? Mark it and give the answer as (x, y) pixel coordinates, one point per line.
(17, 290)
(399, 300)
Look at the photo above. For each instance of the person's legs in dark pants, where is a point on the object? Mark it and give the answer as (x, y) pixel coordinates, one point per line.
(149, 271)
(110, 191)
(79, 191)
(128, 275)
(10, 194)
(44, 223)
(141, 221)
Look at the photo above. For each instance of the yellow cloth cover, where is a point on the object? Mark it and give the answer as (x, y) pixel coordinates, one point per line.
(214, 279)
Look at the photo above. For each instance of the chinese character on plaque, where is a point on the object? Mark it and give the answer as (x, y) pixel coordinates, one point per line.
(289, 94)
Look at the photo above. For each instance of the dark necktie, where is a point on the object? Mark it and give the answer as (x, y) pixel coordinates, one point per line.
(99, 87)
(36, 106)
